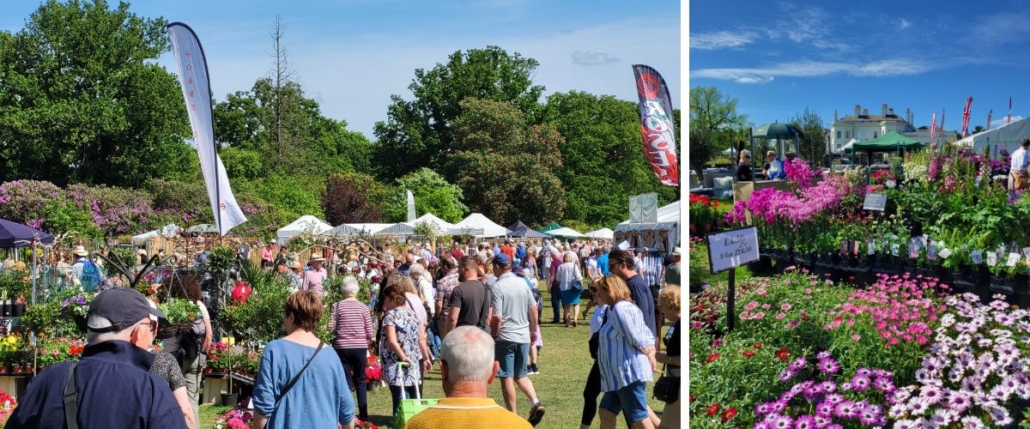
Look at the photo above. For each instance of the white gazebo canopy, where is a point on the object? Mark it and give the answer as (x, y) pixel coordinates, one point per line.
(565, 232)
(601, 233)
(306, 224)
(668, 220)
(444, 226)
(479, 226)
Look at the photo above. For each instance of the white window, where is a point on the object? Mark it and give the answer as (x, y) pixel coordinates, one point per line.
(847, 135)
(874, 135)
(838, 134)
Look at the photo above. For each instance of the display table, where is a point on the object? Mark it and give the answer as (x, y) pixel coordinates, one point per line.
(215, 384)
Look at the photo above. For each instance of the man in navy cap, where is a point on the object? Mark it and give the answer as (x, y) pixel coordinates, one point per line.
(514, 326)
(110, 386)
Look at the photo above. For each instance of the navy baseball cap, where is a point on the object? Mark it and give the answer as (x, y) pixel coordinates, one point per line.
(518, 271)
(502, 260)
(124, 307)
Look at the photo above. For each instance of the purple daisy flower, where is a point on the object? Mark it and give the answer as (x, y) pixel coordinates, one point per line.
(846, 410)
(828, 386)
(860, 383)
(999, 416)
(824, 409)
(834, 398)
(783, 422)
(822, 421)
(787, 374)
(930, 394)
(869, 418)
(883, 384)
(799, 364)
(805, 422)
(763, 408)
(825, 354)
(828, 366)
(779, 406)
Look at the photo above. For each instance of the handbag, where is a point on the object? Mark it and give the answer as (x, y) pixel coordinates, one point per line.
(667, 389)
(577, 285)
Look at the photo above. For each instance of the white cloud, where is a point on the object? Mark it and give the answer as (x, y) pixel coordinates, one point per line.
(754, 79)
(903, 24)
(721, 40)
(592, 58)
(892, 67)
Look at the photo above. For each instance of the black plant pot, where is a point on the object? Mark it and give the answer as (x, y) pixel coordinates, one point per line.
(18, 310)
(230, 399)
(1000, 284)
(6, 308)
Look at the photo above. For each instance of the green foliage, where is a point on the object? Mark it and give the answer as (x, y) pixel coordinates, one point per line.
(712, 115)
(433, 194)
(291, 194)
(62, 216)
(45, 318)
(602, 161)
(493, 139)
(179, 310)
(84, 100)
(422, 129)
(813, 142)
(260, 319)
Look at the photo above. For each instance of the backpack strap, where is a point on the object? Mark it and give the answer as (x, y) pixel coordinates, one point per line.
(71, 405)
(296, 378)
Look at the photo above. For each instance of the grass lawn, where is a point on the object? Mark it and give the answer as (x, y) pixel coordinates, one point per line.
(564, 364)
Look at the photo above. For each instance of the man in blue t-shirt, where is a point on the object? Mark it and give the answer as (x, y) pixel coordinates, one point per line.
(602, 261)
(620, 262)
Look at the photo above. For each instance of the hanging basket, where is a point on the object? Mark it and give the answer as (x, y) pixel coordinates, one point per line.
(168, 330)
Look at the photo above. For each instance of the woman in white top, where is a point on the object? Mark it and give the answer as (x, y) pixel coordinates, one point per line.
(568, 275)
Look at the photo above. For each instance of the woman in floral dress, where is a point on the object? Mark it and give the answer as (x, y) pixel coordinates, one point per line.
(401, 327)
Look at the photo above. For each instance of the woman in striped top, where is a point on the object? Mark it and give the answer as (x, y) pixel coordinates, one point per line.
(351, 322)
(626, 356)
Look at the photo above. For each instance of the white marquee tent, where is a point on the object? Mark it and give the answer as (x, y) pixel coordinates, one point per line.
(445, 227)
(169, 230)
(479, 226)
(601, 233)
(1006, 136)
(565, 232)
(306, 224)
(668, 220)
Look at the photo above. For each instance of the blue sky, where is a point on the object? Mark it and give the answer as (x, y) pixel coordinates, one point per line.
(777, 58)
(351, 55)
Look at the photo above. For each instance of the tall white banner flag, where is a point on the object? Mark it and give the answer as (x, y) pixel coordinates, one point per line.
(411, 206)
(196, 90)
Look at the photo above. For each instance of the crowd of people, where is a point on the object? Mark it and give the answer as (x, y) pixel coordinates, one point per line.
(474, 313)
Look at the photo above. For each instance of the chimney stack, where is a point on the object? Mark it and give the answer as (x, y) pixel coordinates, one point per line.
(884, 109)
(858, 111)
(834, 116)
(865, 112)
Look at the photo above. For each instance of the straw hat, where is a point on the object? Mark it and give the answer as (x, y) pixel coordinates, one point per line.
(316, 258)
(80, 251)
(676, 251)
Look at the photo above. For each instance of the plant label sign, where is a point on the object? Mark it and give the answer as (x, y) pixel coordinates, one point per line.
(732, 248)
(875, 201)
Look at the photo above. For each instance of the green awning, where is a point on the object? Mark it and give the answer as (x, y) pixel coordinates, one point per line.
(889, 142)
(553, 226)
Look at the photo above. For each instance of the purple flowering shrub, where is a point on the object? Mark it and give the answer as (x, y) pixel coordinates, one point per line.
(25, 201)
(822, 398)
(975, 371)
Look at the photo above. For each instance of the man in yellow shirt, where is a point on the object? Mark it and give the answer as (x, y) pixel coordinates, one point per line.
(467, 366)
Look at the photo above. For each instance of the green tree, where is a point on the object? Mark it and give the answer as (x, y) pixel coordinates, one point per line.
(813, 143)
(312, 145)
(507, 165)
(433, 194)
(712, 115)
(603, 163)
(82, 99)
(422, 129)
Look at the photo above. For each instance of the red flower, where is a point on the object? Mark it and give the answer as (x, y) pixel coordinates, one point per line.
(712, 357)
(692, 397)
(783, 354)
(729, 414)
(713, 410)
(758, 346)
(749, 353)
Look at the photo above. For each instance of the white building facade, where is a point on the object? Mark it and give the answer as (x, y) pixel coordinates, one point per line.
(861, 126)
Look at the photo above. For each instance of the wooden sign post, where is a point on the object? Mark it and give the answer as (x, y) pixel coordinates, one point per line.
(726, 251)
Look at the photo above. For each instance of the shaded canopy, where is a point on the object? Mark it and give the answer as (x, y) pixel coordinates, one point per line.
(601, 233)
(13, 234)
(553, 226)
(480, 226)
(777, 130)
(889, 142)
(519, 229)
(305, 224)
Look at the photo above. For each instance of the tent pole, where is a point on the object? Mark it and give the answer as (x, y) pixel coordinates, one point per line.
(751, 135)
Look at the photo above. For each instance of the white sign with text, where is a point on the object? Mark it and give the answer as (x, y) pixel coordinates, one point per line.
(729, 249)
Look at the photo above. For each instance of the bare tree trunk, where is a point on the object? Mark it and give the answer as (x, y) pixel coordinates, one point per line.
(283, 73)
